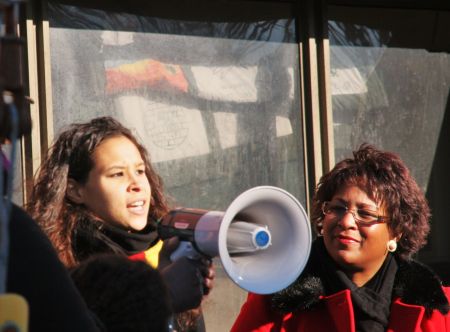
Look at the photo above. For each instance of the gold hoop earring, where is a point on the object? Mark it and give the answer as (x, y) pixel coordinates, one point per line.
(392, 245)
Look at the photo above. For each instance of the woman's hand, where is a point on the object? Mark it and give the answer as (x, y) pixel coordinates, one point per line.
(208, 274)
(188, 280)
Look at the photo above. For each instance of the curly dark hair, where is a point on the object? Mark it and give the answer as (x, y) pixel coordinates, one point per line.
(70, 158)
(387, 181)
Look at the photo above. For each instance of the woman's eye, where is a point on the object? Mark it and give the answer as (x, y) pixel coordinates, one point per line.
(116, 175)
(338, 209)
(367, 213)
(140, 171)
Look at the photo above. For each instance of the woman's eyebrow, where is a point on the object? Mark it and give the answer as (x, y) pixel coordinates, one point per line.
(369, 206)
(340, 200)
(122, 167)
(358, 204)
(114, 168)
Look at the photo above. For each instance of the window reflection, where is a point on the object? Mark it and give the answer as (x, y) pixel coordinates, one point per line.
(217, 104)
(388, 89)
(199, 94)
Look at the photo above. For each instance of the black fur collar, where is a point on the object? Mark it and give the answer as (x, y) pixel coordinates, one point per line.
(414, 283)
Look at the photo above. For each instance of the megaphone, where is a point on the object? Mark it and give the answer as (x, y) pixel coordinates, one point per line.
(263, 238)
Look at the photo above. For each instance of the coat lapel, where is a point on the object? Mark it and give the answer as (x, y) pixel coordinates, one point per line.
(405, 317)
(340, 307)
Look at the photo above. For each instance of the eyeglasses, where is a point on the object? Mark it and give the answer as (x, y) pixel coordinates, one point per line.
(364, 217)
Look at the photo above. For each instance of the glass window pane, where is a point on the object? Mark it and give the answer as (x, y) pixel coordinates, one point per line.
(390, 87)
(217, 104)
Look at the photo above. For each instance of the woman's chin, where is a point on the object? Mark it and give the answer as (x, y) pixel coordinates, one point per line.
(347, 259)
(139, 227)
(137, 224)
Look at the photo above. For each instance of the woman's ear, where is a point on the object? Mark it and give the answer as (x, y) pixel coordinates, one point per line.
(398, 237)
(394, 236)
(74, 191)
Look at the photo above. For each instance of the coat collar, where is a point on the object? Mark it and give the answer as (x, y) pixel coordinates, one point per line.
(414, 284)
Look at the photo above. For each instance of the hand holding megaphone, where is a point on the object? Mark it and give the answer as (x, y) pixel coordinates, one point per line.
(188, 280)
(263, 238)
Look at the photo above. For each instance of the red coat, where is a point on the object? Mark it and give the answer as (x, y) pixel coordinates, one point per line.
(334, 313)
(420, 303)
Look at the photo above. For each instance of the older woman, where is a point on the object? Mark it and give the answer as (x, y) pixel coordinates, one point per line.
(371, 217)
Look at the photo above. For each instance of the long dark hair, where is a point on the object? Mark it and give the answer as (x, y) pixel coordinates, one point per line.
(70, 158)
(386, 180)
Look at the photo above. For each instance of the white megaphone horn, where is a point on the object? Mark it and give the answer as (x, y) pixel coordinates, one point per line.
(263, 239)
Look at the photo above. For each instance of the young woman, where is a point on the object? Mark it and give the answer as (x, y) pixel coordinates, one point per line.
(97, 192)
(370, 216)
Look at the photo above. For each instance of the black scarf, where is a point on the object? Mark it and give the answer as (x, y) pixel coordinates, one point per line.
(372, 301)
(414, 284)
(92, 237)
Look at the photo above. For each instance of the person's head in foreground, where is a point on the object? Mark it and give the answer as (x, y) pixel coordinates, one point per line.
(126, 295)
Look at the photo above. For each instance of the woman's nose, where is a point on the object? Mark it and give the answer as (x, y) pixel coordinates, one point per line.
(134, 184)
(347, 221)
(135, 187)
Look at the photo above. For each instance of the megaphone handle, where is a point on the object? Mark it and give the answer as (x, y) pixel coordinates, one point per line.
(185, 249)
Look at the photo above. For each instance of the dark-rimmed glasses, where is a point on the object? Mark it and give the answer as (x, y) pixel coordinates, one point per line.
(364, 217)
